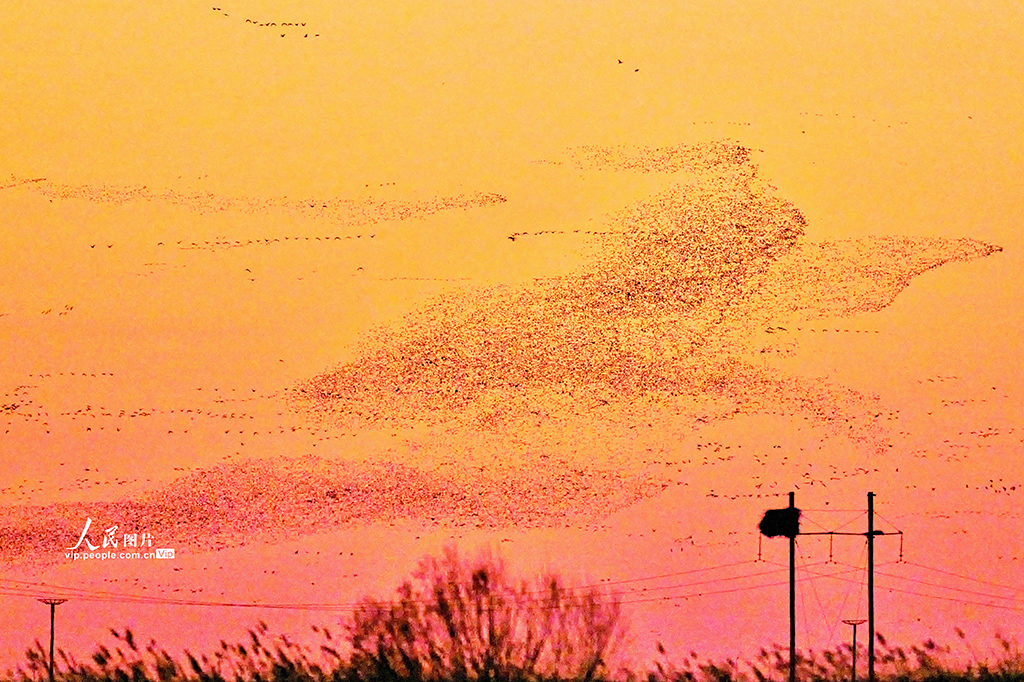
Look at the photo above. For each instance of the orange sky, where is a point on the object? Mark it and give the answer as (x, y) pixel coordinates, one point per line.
(198, 214)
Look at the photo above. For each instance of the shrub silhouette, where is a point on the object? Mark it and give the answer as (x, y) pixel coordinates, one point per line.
(462, 621)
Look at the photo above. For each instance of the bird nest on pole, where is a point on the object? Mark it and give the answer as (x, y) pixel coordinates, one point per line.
(781, 523)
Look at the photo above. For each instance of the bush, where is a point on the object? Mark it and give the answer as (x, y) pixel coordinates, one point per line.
(467, 622)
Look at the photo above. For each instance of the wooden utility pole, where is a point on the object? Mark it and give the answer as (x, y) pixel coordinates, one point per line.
(871, 587)
(53, 606)
(792, 598)
(785, 522)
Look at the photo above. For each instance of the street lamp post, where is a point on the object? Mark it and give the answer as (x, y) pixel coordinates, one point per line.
(853, 664)
(53, 606)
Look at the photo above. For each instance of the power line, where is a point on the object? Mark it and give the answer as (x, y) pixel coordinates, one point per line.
(700, 582)
(948, 587)
(803, 610)
(934, 596)
(51, 586)
(955, 589)
(965, 577)
(40, 589)
(889, 522)
(816, 524)
(855, 518)
(114, 597)
(821, 607)
(827, 509)
(669, 575)
(961, 601)
(862, 565)
(734, 589)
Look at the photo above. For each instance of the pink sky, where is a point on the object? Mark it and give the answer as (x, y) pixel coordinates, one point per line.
(199, 217)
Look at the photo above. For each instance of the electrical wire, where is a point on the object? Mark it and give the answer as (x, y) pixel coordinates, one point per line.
(821, 607)
(24, 588)
(735, 589)
(86, 594)
(579, 587)
(669, 575)
(850, 521)
(803, 610)
(960, 601)
(826, 509)
(849, 588)
(955, 589)
(965, 577)
(889, 522)
(933, 596)
(810, 520)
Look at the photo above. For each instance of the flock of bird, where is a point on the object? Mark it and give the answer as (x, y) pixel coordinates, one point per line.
(298, 26)
(158, 269)
(343, 211)
(18, 182)
(852, 117)
(578, 385)
(698, 158)
(669, 308)
(424, 279)
(216, 244)
(515, 235)
(239, 503)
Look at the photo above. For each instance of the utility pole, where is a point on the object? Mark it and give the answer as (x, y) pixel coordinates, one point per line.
(785, 522)
(793, 598)
(53, 606)
(853, 649)
(871, 587)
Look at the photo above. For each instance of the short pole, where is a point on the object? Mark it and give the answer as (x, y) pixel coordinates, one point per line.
(853, 649)
(53, 607)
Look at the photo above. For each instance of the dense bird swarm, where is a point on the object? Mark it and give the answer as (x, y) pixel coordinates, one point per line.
(274, 500)
(663, 325)
(682, 259)
(342, 211)
(542, 404)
